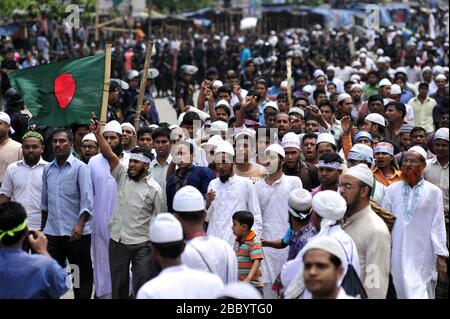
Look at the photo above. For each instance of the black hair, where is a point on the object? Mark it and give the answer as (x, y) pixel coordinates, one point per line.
(348, 83)
(317, 92)
(189, 119)
(272, 113)
(143, 151)
(244, 217)
(375, 97)
(12, 214)
(75, 127)
(332, 83)
(231, 121)
(161, 131)
(263, 82)
(301, 98)
(189, 145)
(225, 108)
(170, 250)
(327, 102)
(417, 129)
(60, 130)
(226, 88)
(282, 96)
(398, 106)
(192, 216)
(212, 71)
(331, 157)
(311, 118)
(302, 76)
(164, 124)
(423, 84)
(372, 72)
(309, 135)
(142, 130)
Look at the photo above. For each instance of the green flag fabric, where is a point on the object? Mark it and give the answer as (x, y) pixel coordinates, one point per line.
(62, 93)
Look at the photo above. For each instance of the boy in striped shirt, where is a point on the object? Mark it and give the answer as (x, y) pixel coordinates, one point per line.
(248, 249)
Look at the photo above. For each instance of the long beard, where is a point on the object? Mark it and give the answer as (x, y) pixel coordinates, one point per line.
(413, 176)
(225, 178)
(118, 150)
(138, 176)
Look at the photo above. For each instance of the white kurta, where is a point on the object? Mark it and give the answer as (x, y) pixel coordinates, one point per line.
(181, 282)
(238, 193)
(274, 210)
(217, 257)
(416, 239)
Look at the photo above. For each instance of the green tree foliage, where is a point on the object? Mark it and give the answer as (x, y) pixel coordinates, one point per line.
(179, 6)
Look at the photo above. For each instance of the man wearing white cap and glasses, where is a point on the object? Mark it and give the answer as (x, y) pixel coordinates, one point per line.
(418, 238)
(10, 150)
(367, 229)
(89, 147)
(227, 194)
(273, 194)
(139, 201)
(175, 281)
(329, 207)
(203, 252)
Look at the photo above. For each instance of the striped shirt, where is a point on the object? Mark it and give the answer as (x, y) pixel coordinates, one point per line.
(247, 252)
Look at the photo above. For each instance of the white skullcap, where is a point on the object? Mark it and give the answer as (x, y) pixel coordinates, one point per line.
(153, 73)
(284, 84)
(329, 205)
(396, 89)
(132, 74)
(380, 51)
(362, 173)
(165, 228)
(419, 150)
(384, 82)
(430, 43)
(317, 73)
(331, 68)
(363, 55)
(296, 110)
(363, 49)
(326, 137)
(381, 60)
(153, 126)
(217, 84)
(361, 152)
(355, 77)
(342, 97)
(328, 244)
(214, 140)
(223, 102)
(219, 126)
(275, 148)
(441, 77)
(225, 147)
(438, 69)
(356, 86)
(441, 134)
(387, 59)
(426, 68)
(113, 126)
(308, 89)
(188, 199)
(129, 126)
(239, 290)
(291, 140)
(376, 118)
(89, 137)
(362, 71)
(5, 118)
(446, 68)
(271, 104)
(300, 200)
(401, 69)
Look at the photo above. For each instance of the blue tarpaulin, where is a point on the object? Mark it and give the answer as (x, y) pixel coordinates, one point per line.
(7, 30)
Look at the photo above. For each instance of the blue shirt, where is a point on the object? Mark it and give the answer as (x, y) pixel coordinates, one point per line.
(66, 194)
(298, 240)
(406, 96)
(261, 118)
(26, 276)
(197, 176)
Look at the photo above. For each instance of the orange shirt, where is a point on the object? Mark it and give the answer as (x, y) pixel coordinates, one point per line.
(379, 176)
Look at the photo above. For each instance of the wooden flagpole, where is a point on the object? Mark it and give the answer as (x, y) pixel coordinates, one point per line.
(148, 55)
(289, 79)
(106, 82)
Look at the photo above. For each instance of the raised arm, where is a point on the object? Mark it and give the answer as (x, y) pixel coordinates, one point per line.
(105, 149)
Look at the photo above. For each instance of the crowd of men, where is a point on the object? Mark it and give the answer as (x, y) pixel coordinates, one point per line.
(298, 185)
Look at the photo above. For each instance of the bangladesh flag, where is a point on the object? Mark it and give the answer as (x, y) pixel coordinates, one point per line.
(62, 93)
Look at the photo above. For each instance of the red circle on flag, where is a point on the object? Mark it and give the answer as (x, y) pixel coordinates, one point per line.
(64, 87)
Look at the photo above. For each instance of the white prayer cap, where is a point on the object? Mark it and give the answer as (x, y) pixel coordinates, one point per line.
(291, 140)
(376, 118)
(5, 118)
(361, 172)
(308, 89)
(239, 290)
(362, 71)
(153, 126)
(113, 126)
(188, 199)
(152, 73)
(327, 244)
(214, 140)
(400, 69)
(173, 126)
(429, 43)
(219, 126)
(419, 150)
(438, 69)
(396, 89)
(355, 77)
(317, 73)
(361, 152)
(446, 68)
(441, 134)
(89, 137)
(327, 138)
(296, 110)
(223, 102)
(381, 60)
(384, 82)
(426, 68)
(129, 126)
(300, 200)
(132, 74)
(329, 205)
(271, 104)
(441, 77)
(225, 147)
(363, 50)
(284, 84)
(217, 84)
(165, 228)
(342, 97)
(275, 148)
(380, 51)
(363, 55)
(331, 68)
(356, 86)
